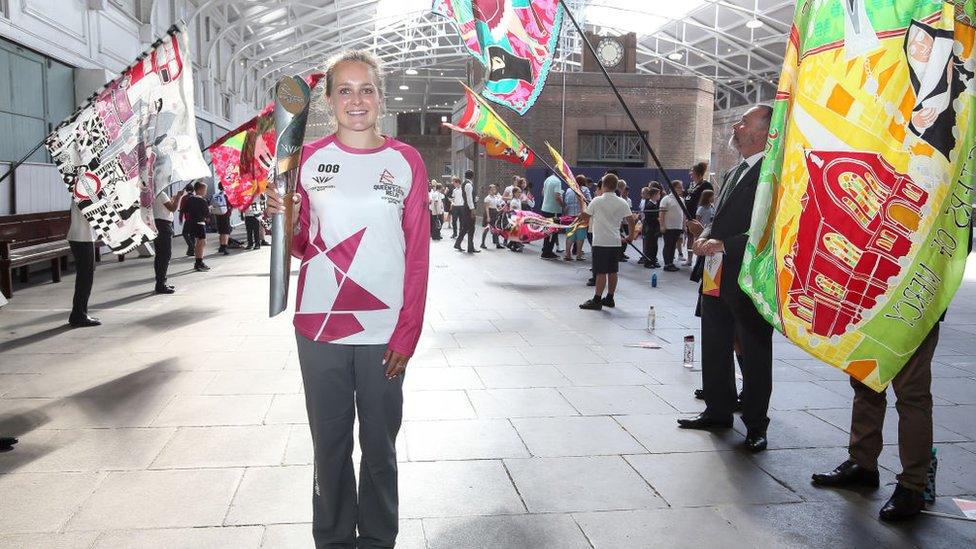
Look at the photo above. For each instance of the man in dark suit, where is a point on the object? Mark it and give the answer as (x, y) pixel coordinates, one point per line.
(732, 314)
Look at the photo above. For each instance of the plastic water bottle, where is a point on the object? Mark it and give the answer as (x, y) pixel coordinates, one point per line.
(689, 354)
(929, 494)
(651, 319)
(654, 280)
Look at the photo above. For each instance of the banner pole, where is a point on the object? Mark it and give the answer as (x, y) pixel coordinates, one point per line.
(17, 164)
(647, 144)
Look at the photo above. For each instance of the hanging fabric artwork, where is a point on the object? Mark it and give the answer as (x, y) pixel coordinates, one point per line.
(862, 216)
(130, 140)
(514, 40)
(243, 158)
(481, 123)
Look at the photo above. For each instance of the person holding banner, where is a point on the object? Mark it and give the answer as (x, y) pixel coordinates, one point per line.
(163, 208)
(362, 232)
(731, 314)
(81, 239)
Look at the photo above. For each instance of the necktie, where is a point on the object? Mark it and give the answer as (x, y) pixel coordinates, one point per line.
(730, 183)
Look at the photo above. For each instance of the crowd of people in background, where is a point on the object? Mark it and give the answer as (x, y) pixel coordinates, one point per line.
(658, 215)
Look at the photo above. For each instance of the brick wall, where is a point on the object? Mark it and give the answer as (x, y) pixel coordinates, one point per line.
(675, 111)
(435, 149)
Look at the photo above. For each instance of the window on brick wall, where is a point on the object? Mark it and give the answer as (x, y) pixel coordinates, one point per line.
(602, 148)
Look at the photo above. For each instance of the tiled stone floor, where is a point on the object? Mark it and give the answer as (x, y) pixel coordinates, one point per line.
(180, 422)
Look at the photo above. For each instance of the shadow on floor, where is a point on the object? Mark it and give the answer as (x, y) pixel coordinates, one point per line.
(112, 398)
(177, 318)
(12, 344)
(122, 301)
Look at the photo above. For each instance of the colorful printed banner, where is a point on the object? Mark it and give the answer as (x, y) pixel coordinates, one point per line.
(131, 140)
(514, 40)
(481, 123)
(862, 216)
(567, 174)
(243, 158)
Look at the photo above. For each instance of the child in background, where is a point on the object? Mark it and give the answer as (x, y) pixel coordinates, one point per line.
(651, 229)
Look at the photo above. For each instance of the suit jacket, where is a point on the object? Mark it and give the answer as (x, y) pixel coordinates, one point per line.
(731, 223)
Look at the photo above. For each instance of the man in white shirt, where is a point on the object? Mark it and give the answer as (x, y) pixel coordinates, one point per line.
(163, 208)
(457, 205)
(605, 214)
(467, 212)
(81, 239)
(672, 219)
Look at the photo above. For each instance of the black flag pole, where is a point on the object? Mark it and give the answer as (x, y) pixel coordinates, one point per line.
(17, 164)
(647, 144)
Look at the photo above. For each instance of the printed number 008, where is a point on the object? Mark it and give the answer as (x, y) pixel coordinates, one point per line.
(328, 168)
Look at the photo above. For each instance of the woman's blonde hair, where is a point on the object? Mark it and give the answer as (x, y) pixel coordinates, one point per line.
(359, 56)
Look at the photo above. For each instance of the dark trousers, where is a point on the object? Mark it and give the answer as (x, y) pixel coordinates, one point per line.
(724, 319)
(913, 389)
(671, 237)
(163, 245)
(341, 380)
(650, 245)
(467, 229)
(552, 241)
(457, 213)
(253, 230)
(435, 226)
(84, 254)
(492, 218)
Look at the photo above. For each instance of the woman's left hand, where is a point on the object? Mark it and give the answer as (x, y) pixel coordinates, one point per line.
(396, 364)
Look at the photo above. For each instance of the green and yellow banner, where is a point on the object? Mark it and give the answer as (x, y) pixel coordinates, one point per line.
(861, 223)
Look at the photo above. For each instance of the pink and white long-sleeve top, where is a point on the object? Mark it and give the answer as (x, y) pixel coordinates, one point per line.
(364, 241)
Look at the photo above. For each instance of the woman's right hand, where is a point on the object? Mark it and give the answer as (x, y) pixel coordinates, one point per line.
(276, 205)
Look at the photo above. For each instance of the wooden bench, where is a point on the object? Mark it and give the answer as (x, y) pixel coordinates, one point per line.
(32, 238)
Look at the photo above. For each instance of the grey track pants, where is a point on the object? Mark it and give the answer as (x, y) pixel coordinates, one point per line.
(341, 380)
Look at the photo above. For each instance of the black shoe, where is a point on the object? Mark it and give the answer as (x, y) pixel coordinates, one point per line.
(904, 504)
(189, 252)
(483, 247)
(592, 304)
(7, 443)
(223, 251)
(755, 443)
(670, 268)
(624, 257)
(608, 302)
(591, 282)
(458, 248)
(648, 265)
(704, 422)
(165, 289)
(847, 474)
(249, 247)
(265, 243)
(474, 251)
(201, 267)
(655, 265)
(700, 394)
(84, 322)
(549, 256)
(499, 246)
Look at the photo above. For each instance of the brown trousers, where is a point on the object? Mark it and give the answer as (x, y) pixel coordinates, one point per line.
(913, 389)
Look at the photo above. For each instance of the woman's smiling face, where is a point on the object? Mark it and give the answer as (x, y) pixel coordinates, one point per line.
(355, 97)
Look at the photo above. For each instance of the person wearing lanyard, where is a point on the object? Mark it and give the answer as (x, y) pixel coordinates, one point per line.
(363, 241)
(221, 211)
